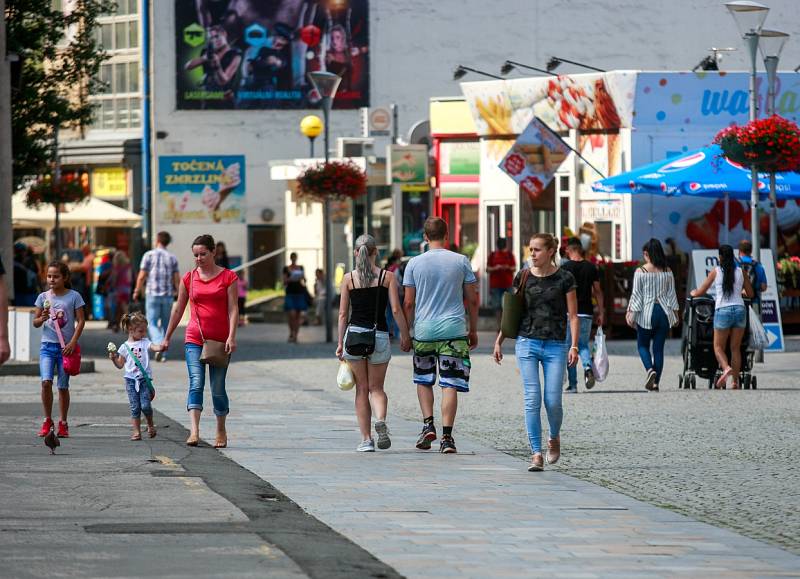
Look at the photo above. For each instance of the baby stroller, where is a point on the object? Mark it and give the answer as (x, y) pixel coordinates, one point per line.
(697, 347)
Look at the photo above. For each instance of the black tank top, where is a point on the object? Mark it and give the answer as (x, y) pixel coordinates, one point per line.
(362, 304)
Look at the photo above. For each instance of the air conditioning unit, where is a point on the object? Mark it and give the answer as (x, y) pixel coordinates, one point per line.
(355, 147)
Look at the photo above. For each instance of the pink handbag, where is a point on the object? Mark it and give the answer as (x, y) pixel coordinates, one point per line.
(72, 362)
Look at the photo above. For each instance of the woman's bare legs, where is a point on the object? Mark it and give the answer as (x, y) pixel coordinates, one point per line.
(363, 408)
(377, 395)
(736, 354)
(720, 341)
(194, 427)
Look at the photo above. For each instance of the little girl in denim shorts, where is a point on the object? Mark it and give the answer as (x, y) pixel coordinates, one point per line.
(134, 357)
(62, 307)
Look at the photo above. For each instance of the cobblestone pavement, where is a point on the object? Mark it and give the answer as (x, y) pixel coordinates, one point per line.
(728, 458)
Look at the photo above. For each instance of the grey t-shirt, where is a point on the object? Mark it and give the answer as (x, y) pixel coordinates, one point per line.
(68, 303)
(439, 276)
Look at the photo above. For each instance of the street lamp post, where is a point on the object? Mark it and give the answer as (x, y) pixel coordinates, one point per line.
(311, 127)
(326, 83)
(772, 43)
(749, 17)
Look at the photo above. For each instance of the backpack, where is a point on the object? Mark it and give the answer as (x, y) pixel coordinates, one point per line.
(750, 270)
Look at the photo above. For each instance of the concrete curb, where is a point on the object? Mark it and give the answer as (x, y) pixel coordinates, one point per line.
(32, 368)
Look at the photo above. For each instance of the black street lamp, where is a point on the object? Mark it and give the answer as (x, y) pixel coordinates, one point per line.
(461, 71)
(555, 61)
(326, 83)
(510, 65)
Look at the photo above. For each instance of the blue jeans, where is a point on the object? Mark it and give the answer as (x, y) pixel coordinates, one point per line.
(158, 310)
(197, 381)
(552, 356)
(51, 361)
(139, 401)
(655, 336)
(583, 350)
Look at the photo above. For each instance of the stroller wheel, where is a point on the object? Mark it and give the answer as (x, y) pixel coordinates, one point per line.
(694, 382)
(746, 381)
(753, 383)
(680, 381)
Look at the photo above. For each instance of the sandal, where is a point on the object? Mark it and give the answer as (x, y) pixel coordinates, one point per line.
(221, 441)
(136, 436)
(721, 381)
(193, 440)
(151, 431)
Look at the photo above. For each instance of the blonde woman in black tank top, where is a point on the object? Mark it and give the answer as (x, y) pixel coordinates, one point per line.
(357, 313)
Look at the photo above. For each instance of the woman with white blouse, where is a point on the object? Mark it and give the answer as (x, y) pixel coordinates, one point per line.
(730, 313)
(653, 310)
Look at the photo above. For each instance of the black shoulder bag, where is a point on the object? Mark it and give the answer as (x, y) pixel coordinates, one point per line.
(362, 344)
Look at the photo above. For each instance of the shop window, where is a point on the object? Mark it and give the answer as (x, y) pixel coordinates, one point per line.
(133, 77)
(468, 236)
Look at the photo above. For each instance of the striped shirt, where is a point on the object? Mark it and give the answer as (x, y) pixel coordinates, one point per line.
(649, 289)
(161, 266)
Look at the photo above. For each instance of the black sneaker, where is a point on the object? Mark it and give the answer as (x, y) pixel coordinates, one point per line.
(588, 378)
(427, 435)
(447, 445)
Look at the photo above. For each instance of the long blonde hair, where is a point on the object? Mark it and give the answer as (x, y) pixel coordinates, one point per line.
(365, 247)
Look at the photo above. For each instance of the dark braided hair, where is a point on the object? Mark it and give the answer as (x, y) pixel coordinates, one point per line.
(656, 253)
(728, 266)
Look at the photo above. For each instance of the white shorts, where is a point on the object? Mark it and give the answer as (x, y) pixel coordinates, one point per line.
(382, 353)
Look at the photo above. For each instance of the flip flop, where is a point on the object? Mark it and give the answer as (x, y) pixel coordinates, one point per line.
(136, 436)
(721, 381)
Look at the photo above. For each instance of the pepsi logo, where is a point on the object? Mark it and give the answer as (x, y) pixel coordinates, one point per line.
(694, 186)
(737, 165)
(683, 162)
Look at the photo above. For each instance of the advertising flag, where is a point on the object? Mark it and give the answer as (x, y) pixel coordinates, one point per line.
(535, 157)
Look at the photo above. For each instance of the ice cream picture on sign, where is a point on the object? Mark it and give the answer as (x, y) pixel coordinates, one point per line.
(535, 157)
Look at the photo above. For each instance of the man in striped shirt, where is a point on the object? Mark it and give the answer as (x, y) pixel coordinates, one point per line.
(159, 278)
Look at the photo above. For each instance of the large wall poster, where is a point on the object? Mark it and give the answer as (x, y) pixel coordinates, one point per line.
(255, 54)
(201, 189)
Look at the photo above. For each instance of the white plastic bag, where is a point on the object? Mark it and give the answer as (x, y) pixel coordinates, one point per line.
(344, 378)
(600, 359)
(759, 340)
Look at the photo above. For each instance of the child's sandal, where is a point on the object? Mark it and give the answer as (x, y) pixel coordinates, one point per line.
(136, 436)
(151, 431)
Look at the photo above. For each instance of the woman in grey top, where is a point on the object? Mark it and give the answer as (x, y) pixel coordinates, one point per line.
(652, 310)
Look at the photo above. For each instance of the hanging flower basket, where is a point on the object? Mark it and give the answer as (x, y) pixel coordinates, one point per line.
(789, 272)
(771, 144)
(55, 191)
(334, 180)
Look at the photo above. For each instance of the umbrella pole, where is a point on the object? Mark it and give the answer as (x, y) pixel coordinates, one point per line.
(727, 216)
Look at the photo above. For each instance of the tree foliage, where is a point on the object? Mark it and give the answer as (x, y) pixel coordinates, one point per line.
(59, 61)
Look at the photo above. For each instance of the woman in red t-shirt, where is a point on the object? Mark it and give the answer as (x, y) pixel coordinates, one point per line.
(211, 291)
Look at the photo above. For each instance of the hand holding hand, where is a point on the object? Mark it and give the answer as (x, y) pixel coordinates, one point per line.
(405, 343)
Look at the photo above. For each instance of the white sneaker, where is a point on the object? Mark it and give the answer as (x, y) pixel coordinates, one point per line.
(366, 446)
(384, 441)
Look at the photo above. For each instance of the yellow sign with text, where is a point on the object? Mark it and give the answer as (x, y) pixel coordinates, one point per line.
(110, 182)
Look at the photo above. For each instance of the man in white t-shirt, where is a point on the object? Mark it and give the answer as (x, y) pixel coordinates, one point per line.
(436, 284)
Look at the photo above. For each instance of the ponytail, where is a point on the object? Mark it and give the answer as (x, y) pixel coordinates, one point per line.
(129, 321)
(365, 246)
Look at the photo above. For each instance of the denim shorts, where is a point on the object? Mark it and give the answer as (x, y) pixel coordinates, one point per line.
(51, 360)
(730, 317)
(382, 353)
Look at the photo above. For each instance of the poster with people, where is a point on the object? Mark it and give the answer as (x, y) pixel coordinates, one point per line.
(256, 54)
(201, 189)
